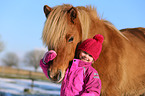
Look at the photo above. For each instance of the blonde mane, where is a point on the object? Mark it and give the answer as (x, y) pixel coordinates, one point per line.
(110, 25)
(55, 27)
(85, 21)
(56, 24)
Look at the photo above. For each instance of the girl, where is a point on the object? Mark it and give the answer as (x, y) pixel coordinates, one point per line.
(81, 79)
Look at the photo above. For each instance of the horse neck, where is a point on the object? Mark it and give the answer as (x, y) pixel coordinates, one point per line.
(110, 33)
(113, 36)
(93, 25)
(113, 41)
(113, 45)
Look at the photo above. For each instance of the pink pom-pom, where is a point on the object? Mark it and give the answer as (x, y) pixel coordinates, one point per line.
(99, 38)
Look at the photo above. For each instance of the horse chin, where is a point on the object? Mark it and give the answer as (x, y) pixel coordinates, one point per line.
(56, 81)
(60, 80)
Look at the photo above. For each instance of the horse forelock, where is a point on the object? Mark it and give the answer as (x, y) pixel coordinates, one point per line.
(55, 27)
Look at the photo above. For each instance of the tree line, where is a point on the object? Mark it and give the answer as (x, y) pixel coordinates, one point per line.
(31, 58)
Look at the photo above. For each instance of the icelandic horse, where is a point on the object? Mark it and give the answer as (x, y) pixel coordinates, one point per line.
(121, 65)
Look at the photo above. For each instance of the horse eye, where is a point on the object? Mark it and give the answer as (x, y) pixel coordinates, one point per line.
(71, 39)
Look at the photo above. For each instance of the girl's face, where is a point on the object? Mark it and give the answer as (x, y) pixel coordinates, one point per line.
(84, 56)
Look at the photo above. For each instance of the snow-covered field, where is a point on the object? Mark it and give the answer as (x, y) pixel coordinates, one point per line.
(16, 87)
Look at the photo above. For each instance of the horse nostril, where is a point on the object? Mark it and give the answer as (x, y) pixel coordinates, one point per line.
(54, 76)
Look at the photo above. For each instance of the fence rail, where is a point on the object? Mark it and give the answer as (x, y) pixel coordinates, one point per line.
(19, 73)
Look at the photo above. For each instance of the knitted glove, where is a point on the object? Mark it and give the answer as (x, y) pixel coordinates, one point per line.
(50, 55)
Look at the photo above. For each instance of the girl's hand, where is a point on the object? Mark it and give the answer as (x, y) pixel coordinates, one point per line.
(49, 56)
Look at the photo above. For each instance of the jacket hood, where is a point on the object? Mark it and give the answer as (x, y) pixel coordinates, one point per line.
(80, 63)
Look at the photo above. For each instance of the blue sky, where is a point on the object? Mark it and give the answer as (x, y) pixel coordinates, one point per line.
(22, 21)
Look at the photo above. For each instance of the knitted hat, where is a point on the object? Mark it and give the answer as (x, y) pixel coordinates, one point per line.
(92, 46)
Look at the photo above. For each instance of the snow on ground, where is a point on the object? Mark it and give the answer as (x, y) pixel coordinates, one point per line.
(17, 86)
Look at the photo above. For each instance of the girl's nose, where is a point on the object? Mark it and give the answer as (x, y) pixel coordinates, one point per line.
(87, 55)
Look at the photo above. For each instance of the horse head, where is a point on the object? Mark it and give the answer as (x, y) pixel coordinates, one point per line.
(62, 32)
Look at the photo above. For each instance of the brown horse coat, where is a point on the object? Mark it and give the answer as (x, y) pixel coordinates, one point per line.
(121, 64)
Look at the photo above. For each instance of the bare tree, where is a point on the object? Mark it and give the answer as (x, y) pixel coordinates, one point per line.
(10, 59)
(33, 58)
(1, 45)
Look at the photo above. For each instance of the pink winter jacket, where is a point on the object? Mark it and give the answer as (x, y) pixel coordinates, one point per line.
(81, 79)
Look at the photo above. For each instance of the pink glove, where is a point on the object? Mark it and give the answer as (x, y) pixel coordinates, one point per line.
(50, 55)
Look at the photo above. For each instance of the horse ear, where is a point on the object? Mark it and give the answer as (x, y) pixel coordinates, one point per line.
(72, 13)
(47, 10)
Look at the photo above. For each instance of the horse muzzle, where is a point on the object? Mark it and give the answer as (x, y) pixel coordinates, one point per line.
(55, 77)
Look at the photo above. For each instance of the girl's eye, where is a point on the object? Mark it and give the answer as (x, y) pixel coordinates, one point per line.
(90, 55)
(85, 52)
(71, 39)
